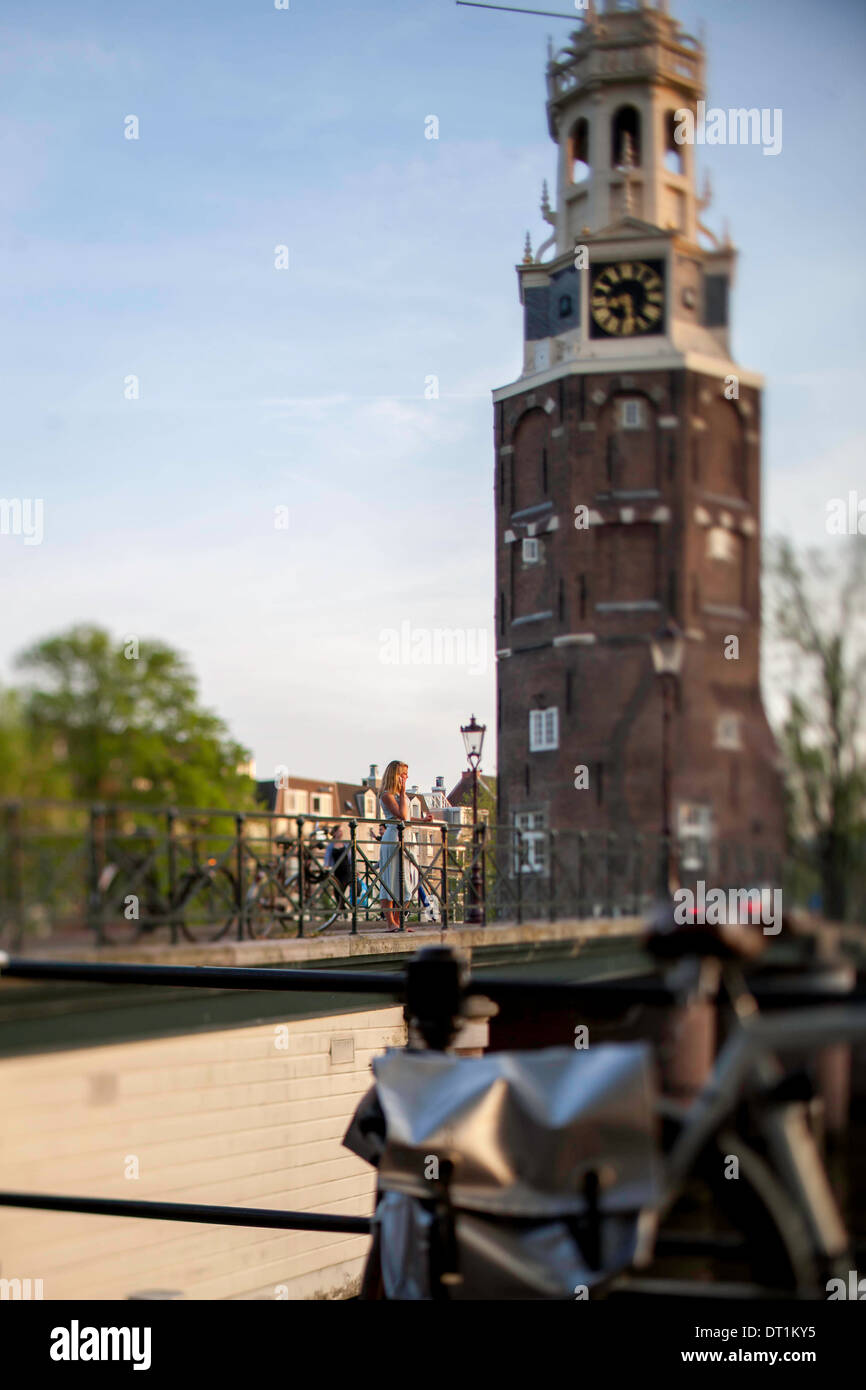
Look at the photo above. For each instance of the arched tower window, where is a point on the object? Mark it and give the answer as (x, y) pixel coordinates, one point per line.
(625, 123)
(674, 161)
(579, 151)
(528, 460)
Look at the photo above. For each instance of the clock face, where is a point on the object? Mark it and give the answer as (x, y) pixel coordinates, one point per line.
(627, 300)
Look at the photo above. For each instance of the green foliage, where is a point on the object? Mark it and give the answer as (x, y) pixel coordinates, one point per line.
(124, 724)
(486, 796)
(29, 765)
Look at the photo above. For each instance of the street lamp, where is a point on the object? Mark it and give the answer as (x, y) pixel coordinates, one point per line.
(473, 741)
(667, 649)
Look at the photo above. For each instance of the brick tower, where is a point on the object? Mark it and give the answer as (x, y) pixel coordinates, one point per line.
(628, 476)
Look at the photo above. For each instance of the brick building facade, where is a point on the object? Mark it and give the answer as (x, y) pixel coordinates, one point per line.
(628, 475)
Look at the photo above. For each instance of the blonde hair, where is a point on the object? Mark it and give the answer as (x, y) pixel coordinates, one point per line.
(389, 776)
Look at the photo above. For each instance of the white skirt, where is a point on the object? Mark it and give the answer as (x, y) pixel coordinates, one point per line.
(389, 865)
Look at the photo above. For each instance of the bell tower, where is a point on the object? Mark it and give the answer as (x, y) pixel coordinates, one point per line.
(612, 95)
(628, 476)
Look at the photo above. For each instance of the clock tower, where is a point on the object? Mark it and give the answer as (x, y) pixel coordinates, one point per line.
(628, 483)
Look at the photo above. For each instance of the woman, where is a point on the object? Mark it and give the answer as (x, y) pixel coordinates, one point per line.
(395, 805)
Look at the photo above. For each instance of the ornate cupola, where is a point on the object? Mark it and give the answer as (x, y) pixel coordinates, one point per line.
(626, 202)
(613, 92)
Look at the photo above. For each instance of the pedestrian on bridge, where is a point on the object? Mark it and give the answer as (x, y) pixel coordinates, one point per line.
(396, 810)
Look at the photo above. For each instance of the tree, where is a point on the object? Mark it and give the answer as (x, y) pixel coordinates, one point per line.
(126, 722)
(819, 617)
(486, 794)
(28, 762)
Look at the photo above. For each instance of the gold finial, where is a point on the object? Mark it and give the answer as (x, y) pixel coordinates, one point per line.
(527, 251)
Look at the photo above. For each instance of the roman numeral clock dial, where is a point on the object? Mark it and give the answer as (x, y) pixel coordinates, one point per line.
(627, 300)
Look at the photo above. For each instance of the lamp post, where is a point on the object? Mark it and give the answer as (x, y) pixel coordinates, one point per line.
(473, 740)
(667, 649)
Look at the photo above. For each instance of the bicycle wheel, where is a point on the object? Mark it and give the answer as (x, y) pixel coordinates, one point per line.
(265, 916)
(124, 918)
(117, 930)
(128, 903)
(208, 905)
(320, 911)
(736, 1230)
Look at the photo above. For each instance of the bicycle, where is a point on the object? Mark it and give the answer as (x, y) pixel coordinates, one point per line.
(776, 1220)
(274, 899)
(203, 905)
(742, 1204)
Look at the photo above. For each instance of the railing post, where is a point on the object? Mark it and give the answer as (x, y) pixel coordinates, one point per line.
(552, 875)
(610, 840)
(443, 896)
(581, 855)
(519, 834)
(483, 854)
(400, 829)
(240, 821)
(301, 875)
(13, 912)
(93, 872)
(171, 844)
(353, 867)
(637, 906)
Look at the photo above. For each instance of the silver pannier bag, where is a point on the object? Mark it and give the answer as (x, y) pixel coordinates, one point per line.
(513, 1175)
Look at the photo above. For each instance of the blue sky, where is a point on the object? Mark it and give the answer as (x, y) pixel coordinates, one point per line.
(304, 388)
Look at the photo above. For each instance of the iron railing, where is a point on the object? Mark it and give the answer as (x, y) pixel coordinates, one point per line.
(121, 872)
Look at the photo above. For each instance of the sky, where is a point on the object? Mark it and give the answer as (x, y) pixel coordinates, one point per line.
(284, 500)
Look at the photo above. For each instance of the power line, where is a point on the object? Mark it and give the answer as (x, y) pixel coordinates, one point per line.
(513, 9)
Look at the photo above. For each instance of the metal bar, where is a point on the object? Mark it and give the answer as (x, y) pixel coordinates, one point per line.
(551, 880)
(444, 894)
(353, 881)
(483, 833)
(513, 9)
(12, 908)
(170, 818)
(519, 834)
(647, 989)
(97, 924)
(241, 902)
(301, 872)
(400, 882)
(203, 976)
(191, 1211)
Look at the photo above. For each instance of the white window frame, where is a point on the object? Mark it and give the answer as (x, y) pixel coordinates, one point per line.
(729, 734)
(530, 550)
(632, 413)
(544, 729)
(533, 827)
